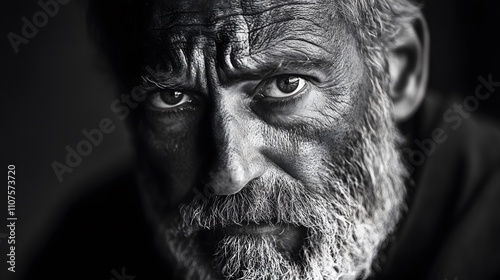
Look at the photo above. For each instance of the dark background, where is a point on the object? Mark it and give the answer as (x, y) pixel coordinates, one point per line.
(58, 85)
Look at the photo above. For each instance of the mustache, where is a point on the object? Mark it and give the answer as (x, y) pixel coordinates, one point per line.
(276, 200)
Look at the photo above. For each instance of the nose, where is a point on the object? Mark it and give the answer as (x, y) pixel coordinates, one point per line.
(237, 160)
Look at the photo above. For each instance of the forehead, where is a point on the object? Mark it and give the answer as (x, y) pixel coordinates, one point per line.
(229, 32)
(216, 18)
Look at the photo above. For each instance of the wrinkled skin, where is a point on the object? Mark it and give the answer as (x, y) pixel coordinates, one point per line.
(245, 180)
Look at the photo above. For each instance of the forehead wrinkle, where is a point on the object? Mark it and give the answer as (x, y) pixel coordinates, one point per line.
(324, 38)
(289, 55)
(179, 67)
(182, 19)
(223, 37)
(215, 13)
(226, 37)
(249, 13)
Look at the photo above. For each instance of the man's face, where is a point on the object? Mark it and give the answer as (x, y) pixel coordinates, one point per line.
(268, 150)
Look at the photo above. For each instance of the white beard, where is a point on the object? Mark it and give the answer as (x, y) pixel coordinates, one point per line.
(347, 217)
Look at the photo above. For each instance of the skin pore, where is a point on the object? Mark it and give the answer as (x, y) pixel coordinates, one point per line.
(269, 108)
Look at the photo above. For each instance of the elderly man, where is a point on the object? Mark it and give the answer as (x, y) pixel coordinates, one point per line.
(269, 148)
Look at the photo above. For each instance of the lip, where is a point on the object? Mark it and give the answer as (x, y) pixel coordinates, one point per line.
(288, 238)
(253, 229)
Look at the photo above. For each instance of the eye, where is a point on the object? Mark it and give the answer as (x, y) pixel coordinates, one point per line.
(282, 86)
(169, 99)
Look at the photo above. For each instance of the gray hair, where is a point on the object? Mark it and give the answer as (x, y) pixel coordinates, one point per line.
(375, 25)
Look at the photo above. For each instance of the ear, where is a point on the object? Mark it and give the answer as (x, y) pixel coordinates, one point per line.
(409, 66)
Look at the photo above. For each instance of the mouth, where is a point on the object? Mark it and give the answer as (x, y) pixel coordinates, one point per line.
(287, 237)
(254, 229)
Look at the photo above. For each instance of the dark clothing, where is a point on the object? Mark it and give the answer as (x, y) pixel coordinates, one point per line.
(451, 229)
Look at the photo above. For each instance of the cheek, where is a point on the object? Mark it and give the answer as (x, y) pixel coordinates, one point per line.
(174, 157)
(302, 154)
(303, 151)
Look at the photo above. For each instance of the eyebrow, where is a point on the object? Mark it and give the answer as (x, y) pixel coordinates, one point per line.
(314, 64)
(303, 68)
(317, 64)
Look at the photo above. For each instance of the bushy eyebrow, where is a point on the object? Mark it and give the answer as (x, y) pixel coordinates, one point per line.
(313, 67)
(314, 62)
(161, 80)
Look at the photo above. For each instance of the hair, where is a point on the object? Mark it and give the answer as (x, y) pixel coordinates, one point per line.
(377, 22)
(375, 25)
